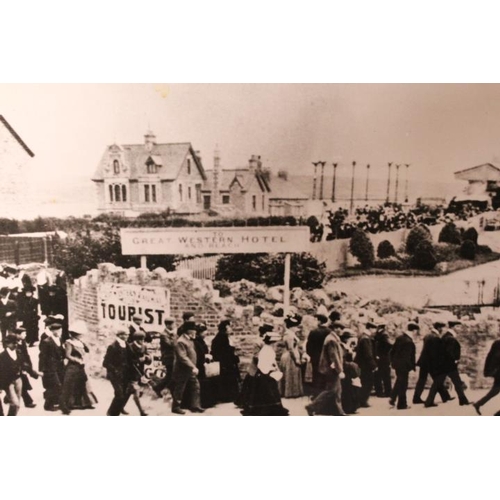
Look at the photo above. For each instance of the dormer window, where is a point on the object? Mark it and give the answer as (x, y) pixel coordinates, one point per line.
(152, 166)
(116, 166)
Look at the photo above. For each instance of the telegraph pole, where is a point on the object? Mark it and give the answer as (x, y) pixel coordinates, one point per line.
(334, 179)
(388, 183)
(352, 187)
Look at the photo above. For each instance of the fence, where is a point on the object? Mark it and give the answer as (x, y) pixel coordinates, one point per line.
(200, 267)
(25, 250)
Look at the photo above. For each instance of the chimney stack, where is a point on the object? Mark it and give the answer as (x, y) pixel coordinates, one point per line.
(149, 140)
(253, 163)
(215, 182)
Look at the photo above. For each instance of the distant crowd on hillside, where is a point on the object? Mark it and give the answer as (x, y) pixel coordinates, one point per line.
(391, 217)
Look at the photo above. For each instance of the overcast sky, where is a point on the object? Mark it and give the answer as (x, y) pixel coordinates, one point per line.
(436, 128)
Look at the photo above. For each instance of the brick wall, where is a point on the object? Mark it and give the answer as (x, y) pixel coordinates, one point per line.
(187, 294)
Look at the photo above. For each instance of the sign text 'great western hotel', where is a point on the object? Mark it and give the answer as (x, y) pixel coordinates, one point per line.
(196, 241)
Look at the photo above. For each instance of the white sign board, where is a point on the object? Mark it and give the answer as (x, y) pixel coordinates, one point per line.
(195, 241)
(116, 304)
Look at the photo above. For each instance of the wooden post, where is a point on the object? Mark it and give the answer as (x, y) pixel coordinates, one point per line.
(286, 292)
(144, 262)
(45, 251)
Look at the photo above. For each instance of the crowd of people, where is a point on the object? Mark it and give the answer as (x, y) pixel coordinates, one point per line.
(338, 369)
(390, 217)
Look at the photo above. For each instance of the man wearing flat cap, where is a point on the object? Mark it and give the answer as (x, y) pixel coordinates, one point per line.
(185, 377)
(137, 326)
(403, 362)
(168, 339)
(116, 364)
(51, 363)
(449, 358)
(314, 346)
(10, 374)
(428, 362)
(365, 359)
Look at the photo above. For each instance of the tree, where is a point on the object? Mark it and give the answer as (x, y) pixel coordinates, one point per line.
(362, 248)
(306, 271)
(424, 257)
(385, 250)
(417, 235)
(468, 250)
(471, 235)
(450, 234)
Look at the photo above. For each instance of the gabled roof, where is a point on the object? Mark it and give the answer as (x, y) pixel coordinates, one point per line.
(135, 156)
(16, 136)
(484, 172)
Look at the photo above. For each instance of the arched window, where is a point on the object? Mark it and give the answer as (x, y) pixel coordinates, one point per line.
(111, 193)
(116, 166)
(124, 193)
(117, 193)
(180, 192)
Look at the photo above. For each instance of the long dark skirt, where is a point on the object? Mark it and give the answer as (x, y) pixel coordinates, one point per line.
(228, 384)
(261, 397)
(74, 390)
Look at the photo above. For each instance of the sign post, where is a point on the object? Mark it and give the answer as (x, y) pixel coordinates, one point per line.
(227, 240)
(286, 293)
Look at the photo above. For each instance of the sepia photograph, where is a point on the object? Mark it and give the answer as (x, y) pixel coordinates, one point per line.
(250, 249)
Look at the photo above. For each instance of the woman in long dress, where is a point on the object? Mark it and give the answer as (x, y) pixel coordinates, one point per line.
(76, 392)
(291, 360)
(224, 352)
(264, 398)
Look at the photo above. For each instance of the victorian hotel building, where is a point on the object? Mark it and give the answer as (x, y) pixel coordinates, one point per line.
(132, 179)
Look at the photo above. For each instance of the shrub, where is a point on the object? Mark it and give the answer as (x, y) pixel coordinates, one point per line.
(385, 250)
(445, 252)
(483, 250)
(362, 248)
(424, 257)
(468, 250)
(471, 235)
(390, 264)
(306, 271)
(450, 234)
(223, 287)
(417, 235)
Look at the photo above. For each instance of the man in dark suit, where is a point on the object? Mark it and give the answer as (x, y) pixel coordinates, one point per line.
(57, 303)
(185, 371)
(8, 310)
(426, 362)
(115, 362)
(403, 361)
(382, 376)
(331, 364)
(10, 374)
(314, 346)
(51, 365)
(447, 366)
(28, 314)
(365, 359)
(26, 366)
(491, 369)
(167, 347)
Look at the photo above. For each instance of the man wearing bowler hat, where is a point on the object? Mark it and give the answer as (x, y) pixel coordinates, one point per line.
(28, 313)
(187, 316)
(382, 377)
(365, 359)
(331, 365)
(403, 362)
(428, 360)
(185, 371)
(314, 346)
(8, 312)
